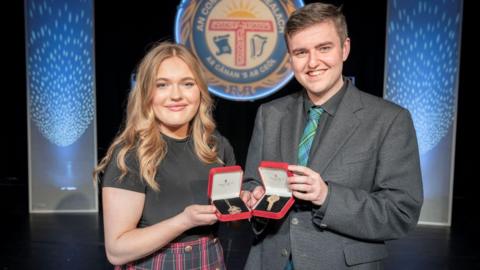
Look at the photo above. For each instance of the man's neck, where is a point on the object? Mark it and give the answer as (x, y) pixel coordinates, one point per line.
(323, 97)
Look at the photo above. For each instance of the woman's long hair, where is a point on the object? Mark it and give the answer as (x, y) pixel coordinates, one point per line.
(142, 131)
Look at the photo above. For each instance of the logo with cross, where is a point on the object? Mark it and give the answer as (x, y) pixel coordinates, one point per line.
(240, 44)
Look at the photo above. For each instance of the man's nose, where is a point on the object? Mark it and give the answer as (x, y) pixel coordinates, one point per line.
(313, 59)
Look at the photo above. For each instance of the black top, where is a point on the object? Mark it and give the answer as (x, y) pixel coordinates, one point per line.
(182, 177)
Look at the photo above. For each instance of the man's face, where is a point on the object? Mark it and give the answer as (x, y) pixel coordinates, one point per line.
(317, 56)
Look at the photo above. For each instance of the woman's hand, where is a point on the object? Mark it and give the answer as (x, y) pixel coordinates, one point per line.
(198, 215)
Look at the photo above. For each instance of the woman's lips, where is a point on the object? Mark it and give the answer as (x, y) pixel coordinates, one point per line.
(176, 107)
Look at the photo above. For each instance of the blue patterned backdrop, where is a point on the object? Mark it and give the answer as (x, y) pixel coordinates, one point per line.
(61, 105)
(60, 68)
(422, 68)
(423, 59)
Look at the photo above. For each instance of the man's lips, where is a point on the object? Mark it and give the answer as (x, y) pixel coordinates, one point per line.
(315, 73)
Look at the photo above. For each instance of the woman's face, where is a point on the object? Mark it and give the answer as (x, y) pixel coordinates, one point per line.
(176, 97)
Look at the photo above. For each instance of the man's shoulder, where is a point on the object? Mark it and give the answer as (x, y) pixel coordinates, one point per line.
(376, 103)
(282, 103)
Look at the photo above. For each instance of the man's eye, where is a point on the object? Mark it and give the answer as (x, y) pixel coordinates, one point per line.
(325, 48)
(300, 53)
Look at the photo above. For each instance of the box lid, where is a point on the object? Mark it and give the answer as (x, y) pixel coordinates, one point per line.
(274, 176)
(225, 182)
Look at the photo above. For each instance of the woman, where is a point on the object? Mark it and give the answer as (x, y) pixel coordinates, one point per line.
(154, 186)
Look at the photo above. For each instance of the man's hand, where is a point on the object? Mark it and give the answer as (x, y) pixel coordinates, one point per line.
(251, 198)
(307, 185)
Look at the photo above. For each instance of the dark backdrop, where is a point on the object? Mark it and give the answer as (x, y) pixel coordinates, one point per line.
(123, 33)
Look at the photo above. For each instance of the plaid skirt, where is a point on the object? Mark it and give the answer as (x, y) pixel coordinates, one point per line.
(205, 253)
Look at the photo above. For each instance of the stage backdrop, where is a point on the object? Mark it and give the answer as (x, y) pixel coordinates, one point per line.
(61, 105)
(421, 74)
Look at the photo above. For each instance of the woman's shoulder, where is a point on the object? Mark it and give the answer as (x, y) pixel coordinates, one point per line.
(113, 176)
(130, 155)
(225, 150)
(220, 139)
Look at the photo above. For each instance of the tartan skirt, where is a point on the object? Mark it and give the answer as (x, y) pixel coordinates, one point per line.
(205, 253)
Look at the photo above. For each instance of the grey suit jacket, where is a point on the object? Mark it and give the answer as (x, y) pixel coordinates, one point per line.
(369, 158)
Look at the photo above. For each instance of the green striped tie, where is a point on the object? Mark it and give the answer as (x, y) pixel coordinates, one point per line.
(308, 135)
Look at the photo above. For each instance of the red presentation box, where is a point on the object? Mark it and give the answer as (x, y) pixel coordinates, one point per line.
(225, 184)
(278, 198)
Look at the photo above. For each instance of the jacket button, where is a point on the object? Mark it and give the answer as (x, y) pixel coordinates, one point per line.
(294, 221)
(284, 252)
(188, 248)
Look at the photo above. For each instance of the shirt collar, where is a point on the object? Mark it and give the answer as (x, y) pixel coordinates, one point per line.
(331, 105)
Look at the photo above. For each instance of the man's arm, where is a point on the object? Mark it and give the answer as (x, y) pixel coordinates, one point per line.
(392, 207)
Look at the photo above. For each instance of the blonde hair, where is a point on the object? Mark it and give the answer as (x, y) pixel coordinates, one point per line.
(142, 131)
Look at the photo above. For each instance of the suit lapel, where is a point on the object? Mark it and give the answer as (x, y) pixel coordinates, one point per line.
(344, 123)
(291, 129)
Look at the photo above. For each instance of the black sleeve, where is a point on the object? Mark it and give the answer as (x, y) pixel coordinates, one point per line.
(226, 153)
(131, 181)
(255, 154)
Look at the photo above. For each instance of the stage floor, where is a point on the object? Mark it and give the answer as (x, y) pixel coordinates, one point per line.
(75, 241)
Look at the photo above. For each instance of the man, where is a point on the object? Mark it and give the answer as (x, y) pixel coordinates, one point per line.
(357, 183)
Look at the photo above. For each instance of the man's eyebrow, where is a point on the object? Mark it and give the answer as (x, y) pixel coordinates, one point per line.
(316, 46)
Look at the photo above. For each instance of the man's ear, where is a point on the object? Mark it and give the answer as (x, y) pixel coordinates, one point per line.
(346, 49)
(288, 51)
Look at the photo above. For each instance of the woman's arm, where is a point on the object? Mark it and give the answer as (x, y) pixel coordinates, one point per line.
(124, 242)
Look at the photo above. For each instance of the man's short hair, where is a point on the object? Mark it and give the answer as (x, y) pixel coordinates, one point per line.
(315, 13)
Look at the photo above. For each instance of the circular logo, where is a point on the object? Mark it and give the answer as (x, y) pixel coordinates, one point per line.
(240, 44)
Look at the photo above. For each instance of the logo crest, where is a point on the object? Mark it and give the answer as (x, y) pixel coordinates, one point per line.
(240, 44)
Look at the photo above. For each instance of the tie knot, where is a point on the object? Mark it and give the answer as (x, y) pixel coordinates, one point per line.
(314, 113)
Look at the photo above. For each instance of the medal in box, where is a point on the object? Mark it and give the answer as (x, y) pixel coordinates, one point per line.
(225, 184)
(277, 199)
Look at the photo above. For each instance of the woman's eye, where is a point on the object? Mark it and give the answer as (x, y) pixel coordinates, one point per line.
(161, 85)
(189, 84)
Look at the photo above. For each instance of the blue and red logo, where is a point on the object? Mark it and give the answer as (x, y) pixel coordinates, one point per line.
(240, 44)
